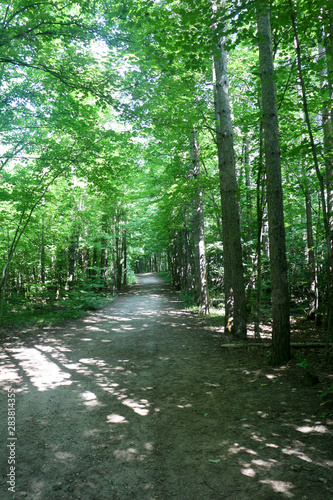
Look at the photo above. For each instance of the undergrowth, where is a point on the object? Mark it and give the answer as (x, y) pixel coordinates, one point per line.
(165, 275)
(19, 313)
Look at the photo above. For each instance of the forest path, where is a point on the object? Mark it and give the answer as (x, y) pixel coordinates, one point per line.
(139, 401)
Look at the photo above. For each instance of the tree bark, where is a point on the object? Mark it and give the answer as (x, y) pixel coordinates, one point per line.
(42, 249)
(119, 253)
(277, 246)
(327, 117)
(72, 252)
(199, 231)
(125, 256)
(104, 252)
(261, 190)
(313, 285)
(247, 174)
(235, 302)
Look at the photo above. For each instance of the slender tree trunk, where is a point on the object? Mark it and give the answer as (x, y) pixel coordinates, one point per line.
(260, 215)
(72, 261)
(42, 249)
(277, 246)
(125, 256)
(247, 173)
(176, 263)
(235, 303)
(118, 264)
(103, 259)
(183, 235)
(3, 283)
(74, 237)
(313, 288)
(311, 254)
(199, 232)
(325, 208)
(246, 221)
(104, 252)
(119, 254)
(327, 118)
(188, 260)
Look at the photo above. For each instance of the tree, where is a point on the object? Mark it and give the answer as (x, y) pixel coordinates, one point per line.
(113, 91)
(277, 248)
(235, 305)
(199, 231)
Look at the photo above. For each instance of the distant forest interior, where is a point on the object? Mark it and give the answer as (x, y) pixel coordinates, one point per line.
(188, 138)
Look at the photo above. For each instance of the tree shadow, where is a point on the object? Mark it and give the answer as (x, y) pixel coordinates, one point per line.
(138, 401)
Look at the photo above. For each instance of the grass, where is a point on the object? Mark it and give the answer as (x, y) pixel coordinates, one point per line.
(24, 315)
(216, 316)
(165, 275)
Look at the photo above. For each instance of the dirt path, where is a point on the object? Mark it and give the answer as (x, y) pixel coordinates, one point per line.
(139, 401)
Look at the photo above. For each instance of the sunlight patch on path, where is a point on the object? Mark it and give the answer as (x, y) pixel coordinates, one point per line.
(90, 399)
(280, 487)
(114, 418)
(42, 372)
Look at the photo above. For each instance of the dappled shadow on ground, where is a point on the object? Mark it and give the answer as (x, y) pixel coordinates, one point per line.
(138, 401)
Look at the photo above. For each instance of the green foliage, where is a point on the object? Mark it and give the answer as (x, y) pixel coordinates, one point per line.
(86, 300)
(166, 276)
(131, 277)
(98, 102)
(189, 300)
(303, 363)
(18, 313)
(327, 392)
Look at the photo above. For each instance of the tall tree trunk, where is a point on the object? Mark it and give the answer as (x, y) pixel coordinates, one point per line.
(327, 118)
(199, 232)
(277, 246)
(246, 220)
(188, 256)
(247, 173)
(125, 256)
(175, 261)
(235, 303)
(183, 236)
(72, 260)
(42, 243)
(313, 288)
(261, 202)
(104, 252)
(42, 249)
(119, 253)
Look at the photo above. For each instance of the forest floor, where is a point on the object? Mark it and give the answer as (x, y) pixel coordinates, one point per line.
(139, 401)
